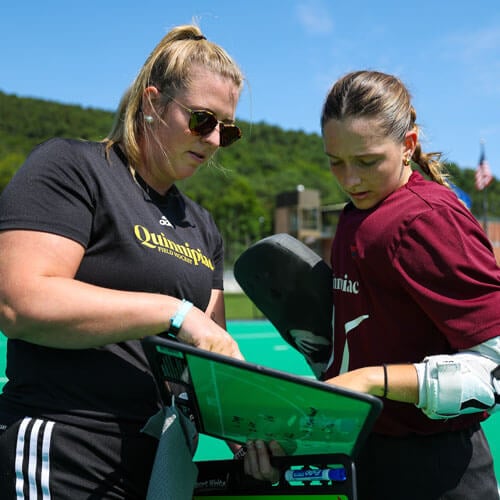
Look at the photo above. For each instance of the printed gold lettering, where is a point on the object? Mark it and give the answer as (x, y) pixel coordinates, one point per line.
(143, 235)
(164, 245)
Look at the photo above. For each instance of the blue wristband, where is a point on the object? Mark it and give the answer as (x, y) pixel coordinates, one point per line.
(178, 318)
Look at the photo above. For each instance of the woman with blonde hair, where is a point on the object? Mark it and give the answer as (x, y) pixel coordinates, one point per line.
(99, 249)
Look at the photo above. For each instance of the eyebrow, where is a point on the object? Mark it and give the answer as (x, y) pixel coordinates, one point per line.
(363, 155)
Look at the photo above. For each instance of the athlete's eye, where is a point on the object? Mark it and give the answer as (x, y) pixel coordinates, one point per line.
(335, 162)
(368, 162)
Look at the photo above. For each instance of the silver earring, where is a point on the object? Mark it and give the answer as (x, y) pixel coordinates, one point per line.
(148, 119)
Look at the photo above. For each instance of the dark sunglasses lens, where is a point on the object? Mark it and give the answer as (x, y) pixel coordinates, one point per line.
(202, 122)
(229, 134)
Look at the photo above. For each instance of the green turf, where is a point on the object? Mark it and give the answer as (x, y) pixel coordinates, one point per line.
(239, 306)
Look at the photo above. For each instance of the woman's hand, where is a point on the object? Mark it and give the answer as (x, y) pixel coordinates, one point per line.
(200, 331)
(257, 461)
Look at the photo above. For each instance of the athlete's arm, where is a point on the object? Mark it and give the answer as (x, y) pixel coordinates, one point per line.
(443, 386)
(42, 302)
(400, 381)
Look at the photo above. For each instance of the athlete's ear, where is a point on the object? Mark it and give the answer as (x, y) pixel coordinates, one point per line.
(410, 143)
(149, 97)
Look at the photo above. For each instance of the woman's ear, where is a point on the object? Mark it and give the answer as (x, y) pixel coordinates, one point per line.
(150, 95)
(410, 143)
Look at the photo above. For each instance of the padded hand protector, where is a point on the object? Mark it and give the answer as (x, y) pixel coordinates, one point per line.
(314, 348)
(292, 286)
(458, 384)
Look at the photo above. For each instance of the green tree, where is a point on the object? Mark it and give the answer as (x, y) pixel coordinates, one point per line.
(8, 166)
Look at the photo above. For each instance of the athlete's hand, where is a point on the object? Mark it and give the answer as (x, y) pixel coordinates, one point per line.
(200, 331)
(257, 461)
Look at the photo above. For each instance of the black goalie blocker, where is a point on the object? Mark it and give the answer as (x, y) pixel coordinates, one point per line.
(292, 286)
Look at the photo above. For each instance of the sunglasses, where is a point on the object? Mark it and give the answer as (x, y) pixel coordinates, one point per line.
(203, 122)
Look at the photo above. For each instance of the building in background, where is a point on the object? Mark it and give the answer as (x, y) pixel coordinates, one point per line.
(300, 214)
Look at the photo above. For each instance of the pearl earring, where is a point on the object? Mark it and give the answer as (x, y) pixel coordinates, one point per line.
(148, 119)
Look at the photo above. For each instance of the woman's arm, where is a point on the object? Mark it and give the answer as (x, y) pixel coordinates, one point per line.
(400, 382)
(216, 309)
(42, 302)
(443, 386)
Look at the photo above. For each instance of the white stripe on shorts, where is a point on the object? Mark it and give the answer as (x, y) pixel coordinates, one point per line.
(33, 458)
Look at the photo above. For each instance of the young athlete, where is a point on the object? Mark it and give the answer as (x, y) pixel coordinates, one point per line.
(99, 249)
(416, 294)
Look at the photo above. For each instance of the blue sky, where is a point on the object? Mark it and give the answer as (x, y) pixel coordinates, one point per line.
(291, 51)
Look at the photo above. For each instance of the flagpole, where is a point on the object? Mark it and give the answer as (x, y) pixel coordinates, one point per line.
(483, 178)
(485, 196)
(485, 209)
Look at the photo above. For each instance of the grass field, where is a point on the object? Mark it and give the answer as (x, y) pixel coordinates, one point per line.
(240, 307)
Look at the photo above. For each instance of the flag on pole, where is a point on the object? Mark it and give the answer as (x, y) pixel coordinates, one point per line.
(483, 172)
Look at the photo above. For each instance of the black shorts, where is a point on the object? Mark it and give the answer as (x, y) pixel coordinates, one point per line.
(43, 459)
(447, 466)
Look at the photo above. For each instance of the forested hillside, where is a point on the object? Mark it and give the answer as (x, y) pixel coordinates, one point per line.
(239, 188)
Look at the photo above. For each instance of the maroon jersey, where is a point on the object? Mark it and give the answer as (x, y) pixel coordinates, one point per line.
(412, 277)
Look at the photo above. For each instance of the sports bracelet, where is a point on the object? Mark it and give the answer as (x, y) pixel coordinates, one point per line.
(385, 381)
(178, 317)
